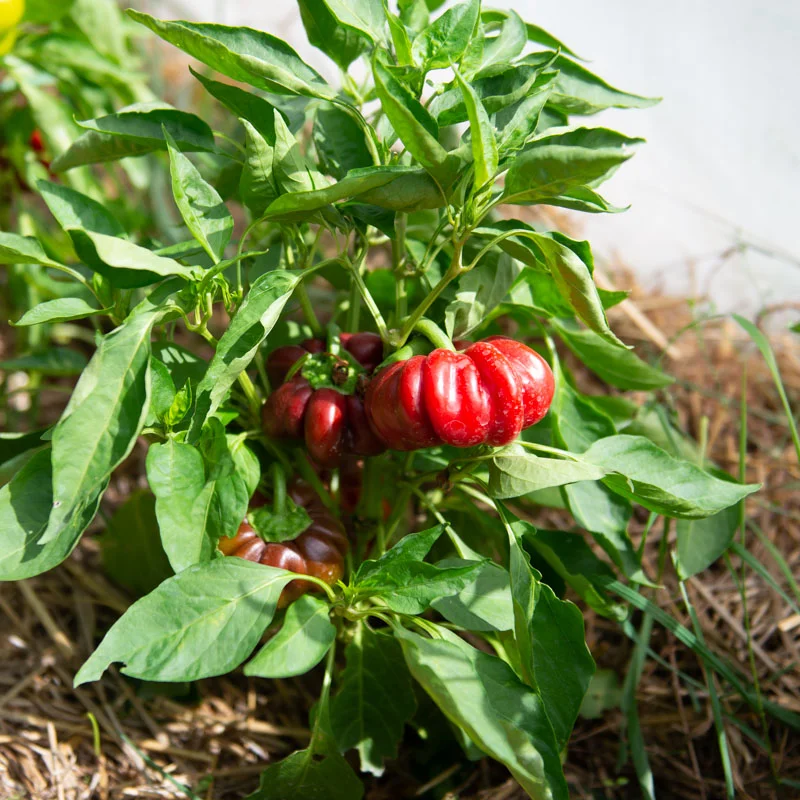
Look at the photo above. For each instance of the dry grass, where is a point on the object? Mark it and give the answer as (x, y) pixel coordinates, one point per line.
(118, 738)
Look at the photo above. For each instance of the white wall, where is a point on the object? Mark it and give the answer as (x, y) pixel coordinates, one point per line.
(722, 163)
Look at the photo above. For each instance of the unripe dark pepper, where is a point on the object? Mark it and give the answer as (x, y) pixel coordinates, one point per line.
(329, 417)
(484, 394)
(319, 550)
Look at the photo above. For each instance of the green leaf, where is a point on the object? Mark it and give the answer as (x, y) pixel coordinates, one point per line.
(258, 187)
(131, 548)
(606, 516)
(375, 701)
(411, 587)
(58, 361)
(340, 142)
(127, 264)
(549, 634)
(302, 642)
(244, 54)
(412, 192)
(134, 131)
(105, 414)
(617, 366)
(25, 504)
(410, 549)
(700, 542)
(446, 40)
(484, 146)
(339, 42)
(75, 211)
(509, 40)
(357, 182)
(513, 472)
(165, 636)
(482, 696)
(202, 209)
(576, 423)
(365, 16)
(570, 264)
(479, 292)
(275, 166)
(541, 36)
(183, 364)
(555, 163)
(484, 604)
(302, 775)
(102, 23)
(16, 249)
(95, 235)
(578, 91)
(415, 126)
(644, 473)
(571, 558)
(17, 444)
(406, 583)
(233, 478)
(176, 474)
(400, 38)
(562, 663)
(497, 87)
(180, 406)
(45, 11)
(260, 113)
(517, 123)
(238, 345)
(61, 310)
(280, 527)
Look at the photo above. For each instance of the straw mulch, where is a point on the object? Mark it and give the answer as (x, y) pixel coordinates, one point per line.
(118, 738)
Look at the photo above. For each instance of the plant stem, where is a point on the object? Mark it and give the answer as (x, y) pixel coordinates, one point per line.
(398, 257)
(452, 273)
(369, 301)
(308, 309)
(324, 697)
(354, 309)
(278, 489)
(437, 337)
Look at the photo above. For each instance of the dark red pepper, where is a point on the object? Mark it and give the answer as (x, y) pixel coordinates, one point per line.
(485, 394)
(319, 550)
(332, 423)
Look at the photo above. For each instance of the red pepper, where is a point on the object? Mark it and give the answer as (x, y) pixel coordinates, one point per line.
(319, 550)
(36, 142)
(485, 394)
(332, 422)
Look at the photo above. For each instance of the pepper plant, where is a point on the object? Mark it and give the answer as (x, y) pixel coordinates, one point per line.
(347, 480)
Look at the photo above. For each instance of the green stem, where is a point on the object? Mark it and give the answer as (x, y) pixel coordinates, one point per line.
(369, 301)
(431, 331)
(354, 309)
(78, 277)
(452, 273)
(308, 309)
(307, 473)
(322, 707)
(232, 142)
(547, 449)
(398, 256)
(278, 489)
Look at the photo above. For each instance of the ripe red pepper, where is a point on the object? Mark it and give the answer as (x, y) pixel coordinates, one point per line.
(484, 394)
(319, 550)
(320, 403)
(36, 142)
